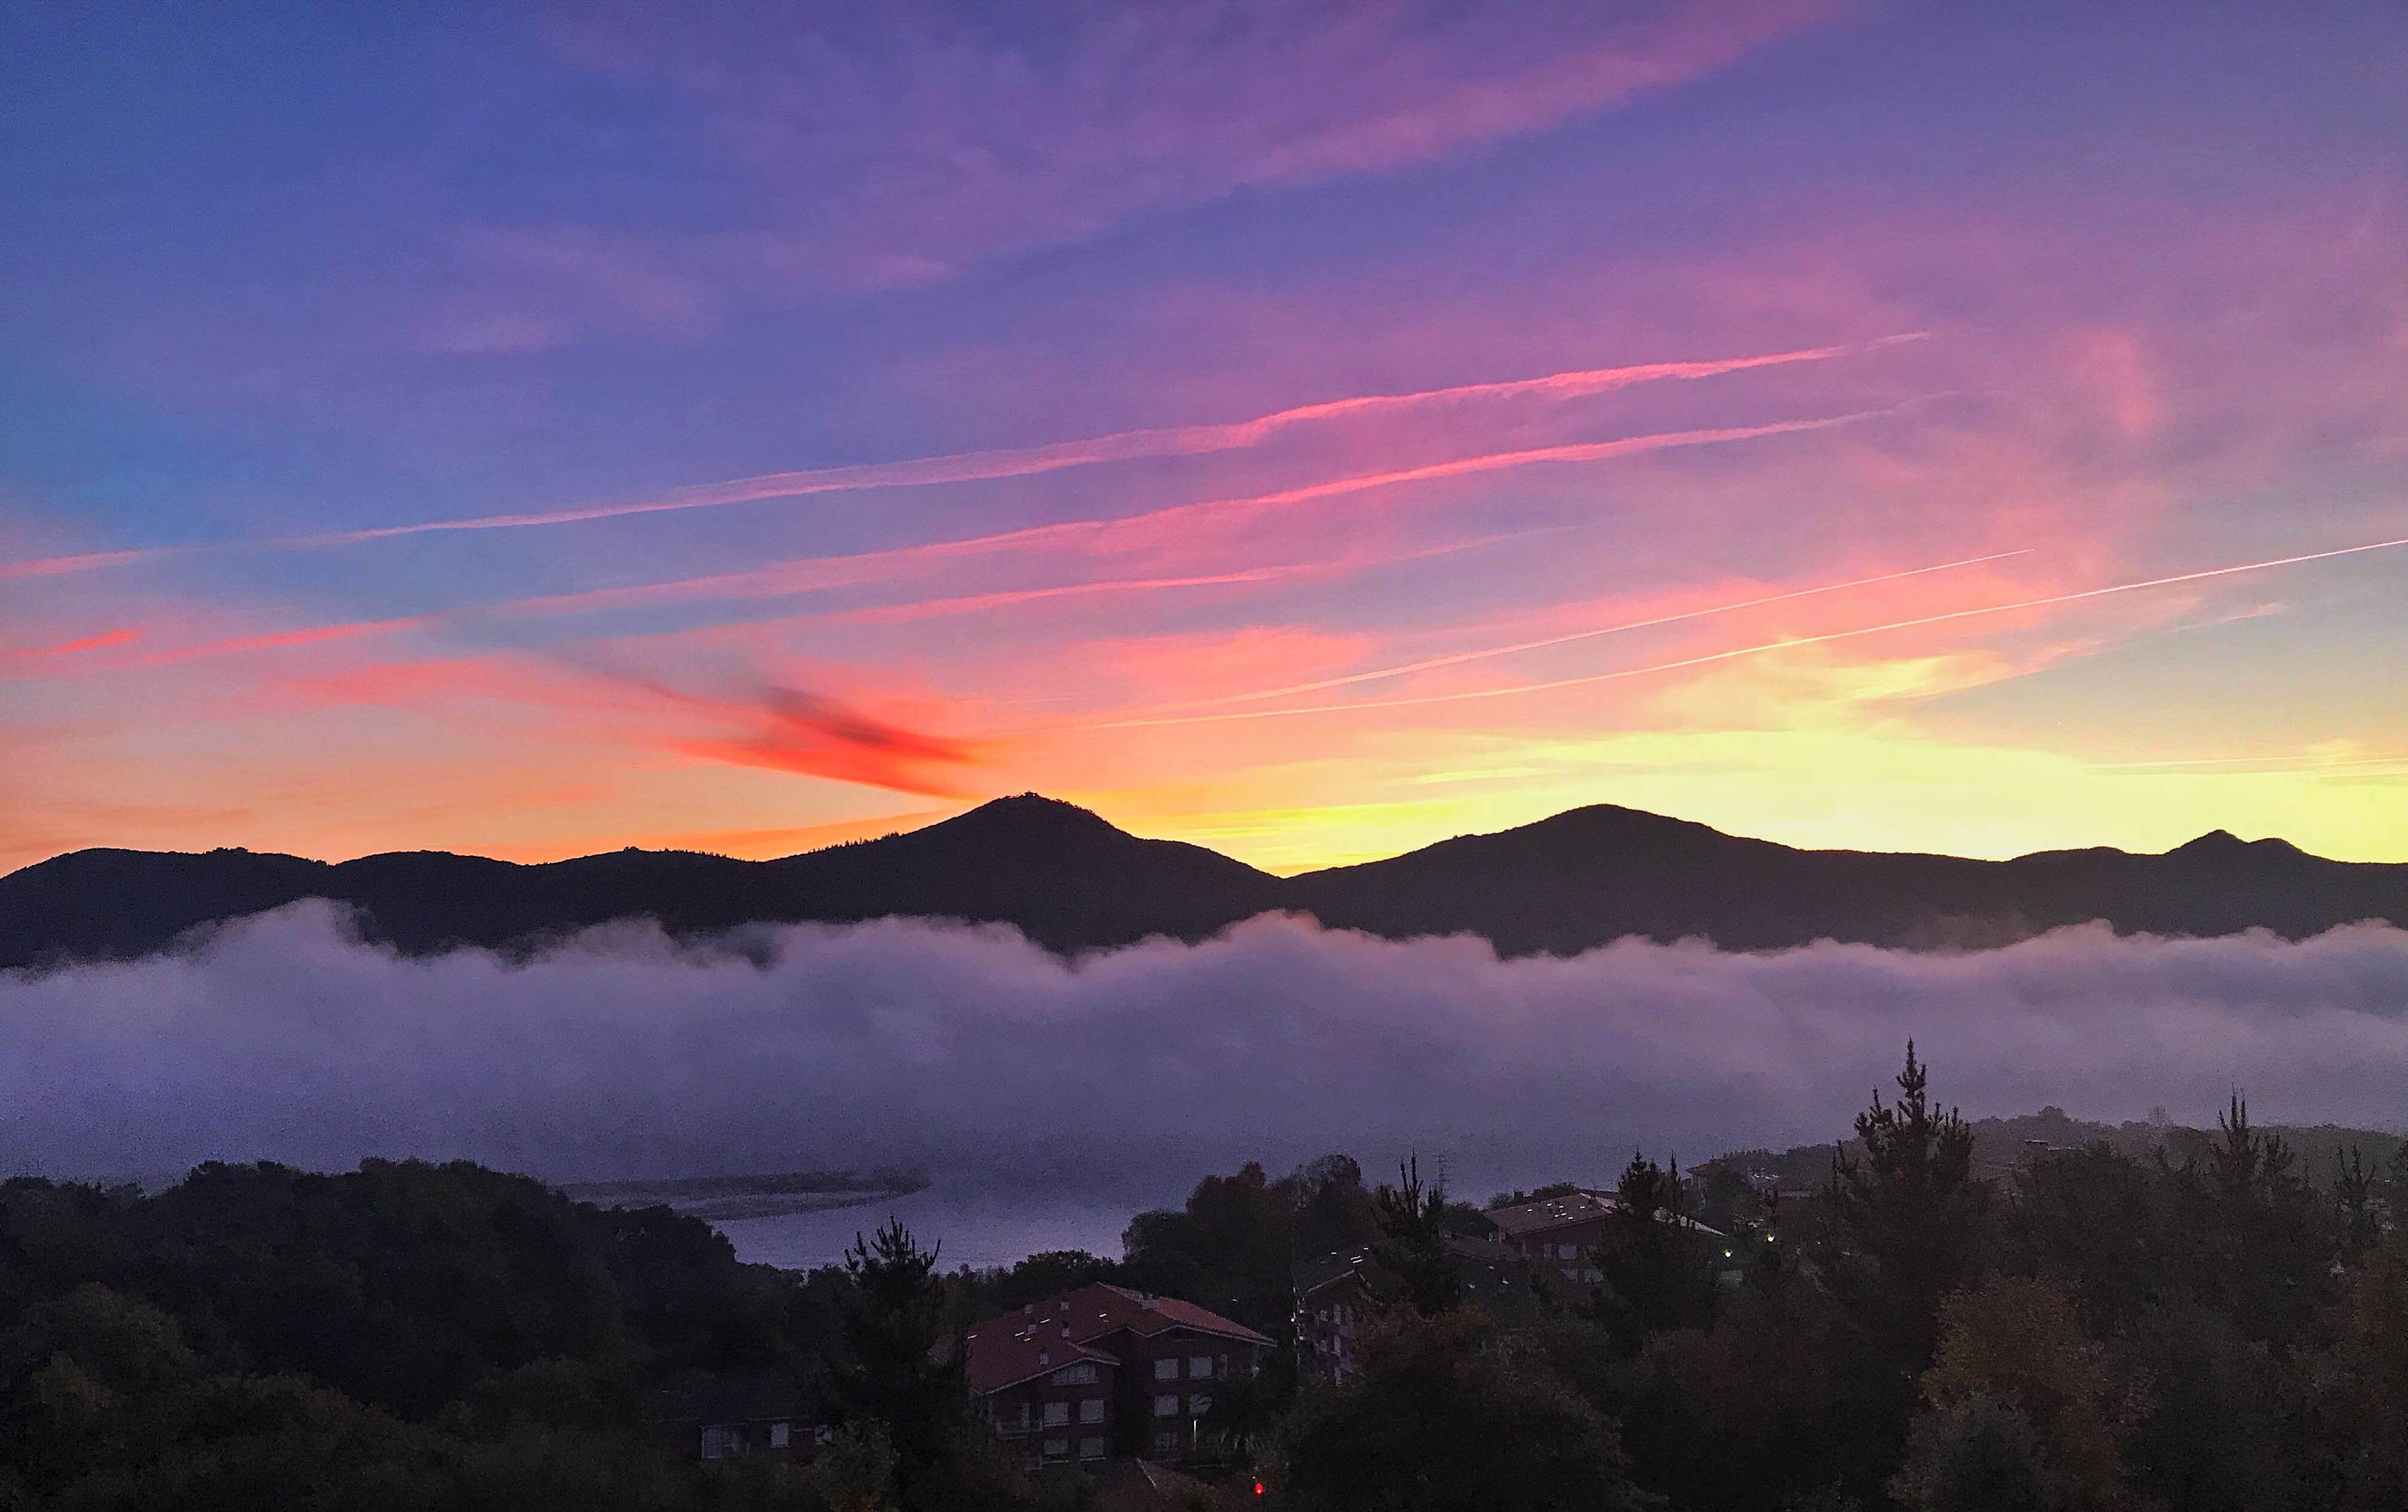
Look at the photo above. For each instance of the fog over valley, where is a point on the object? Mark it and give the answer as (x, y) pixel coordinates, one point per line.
(1005, 1071)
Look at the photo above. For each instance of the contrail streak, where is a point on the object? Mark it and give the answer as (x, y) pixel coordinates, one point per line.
(996, 464)
(1119, 446)
(1756, 651)
(2300, 764)
(1518, 647)
(1168, 526)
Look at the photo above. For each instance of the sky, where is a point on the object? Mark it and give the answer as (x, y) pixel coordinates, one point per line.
(1309, 429)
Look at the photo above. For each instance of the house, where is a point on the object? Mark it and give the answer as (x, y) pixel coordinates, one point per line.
(1334, 1294)
(1337, 1292)
(1107, 1372)
(712, 1417)
(1558, 1236)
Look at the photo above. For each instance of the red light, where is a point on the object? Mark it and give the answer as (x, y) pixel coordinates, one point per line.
(1259, 1488)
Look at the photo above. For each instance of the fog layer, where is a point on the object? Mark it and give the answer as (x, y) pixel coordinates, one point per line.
(973, 1054)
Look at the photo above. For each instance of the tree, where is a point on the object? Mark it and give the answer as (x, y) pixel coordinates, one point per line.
(1975, 1456)
(1659, 1273)
(894, 1334)
(2017, 1343)
(2100, 1224)
(2354, 1194)
(2265, 1242)
(1911, 1205)
(1412, 1240)
(2213, 1436)
(855, 1472)
(1441, 1419)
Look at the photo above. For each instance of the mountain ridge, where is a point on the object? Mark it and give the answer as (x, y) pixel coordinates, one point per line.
(1072, 880)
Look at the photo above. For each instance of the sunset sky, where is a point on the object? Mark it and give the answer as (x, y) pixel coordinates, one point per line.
(1309, 429)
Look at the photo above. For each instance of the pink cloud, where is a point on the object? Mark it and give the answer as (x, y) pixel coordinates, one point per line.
(106, 640)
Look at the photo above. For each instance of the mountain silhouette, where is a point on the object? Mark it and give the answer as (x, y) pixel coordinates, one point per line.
(1071, 881)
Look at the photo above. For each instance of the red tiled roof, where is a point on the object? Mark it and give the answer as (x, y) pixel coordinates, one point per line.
(1062, 1330)
(1524, 1219)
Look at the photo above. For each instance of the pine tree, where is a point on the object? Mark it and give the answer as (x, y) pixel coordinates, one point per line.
(893, 1333)
(1657, 1273)
(1911, 1205)
(1412, 1240)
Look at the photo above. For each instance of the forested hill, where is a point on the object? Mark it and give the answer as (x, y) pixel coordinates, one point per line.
(1070, 881)
(2003, 1144)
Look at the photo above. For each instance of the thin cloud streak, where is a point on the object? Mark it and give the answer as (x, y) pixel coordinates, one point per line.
(1132, 532)
(106, 640)
(1461, 657)
(999, 464)
(1756, 651)
(1119, 446)
(804, 575)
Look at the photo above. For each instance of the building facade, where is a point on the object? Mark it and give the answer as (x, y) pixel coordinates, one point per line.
(715, 1417)
(1107, 1372)
(1557, 1237)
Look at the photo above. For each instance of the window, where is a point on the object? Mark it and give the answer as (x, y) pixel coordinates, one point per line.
(1057, 1414)
(1567, 1251)
(1091, 1448)
(1075, 1375)
(1166, 1442)
(1057, 1449)
(722, 1441)
(1091, 1409)
(1199, 1367)
(1165, 1370)
(780, 1434)
(1166, 1407)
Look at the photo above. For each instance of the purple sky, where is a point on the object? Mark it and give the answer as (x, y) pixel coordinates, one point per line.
(831, 417)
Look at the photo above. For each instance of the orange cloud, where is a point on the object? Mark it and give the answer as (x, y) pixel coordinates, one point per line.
(812, 735)
(1766, 648)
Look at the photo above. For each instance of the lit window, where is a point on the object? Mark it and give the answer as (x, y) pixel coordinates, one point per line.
(1201, 1366)
(1166, 1407)
(1091, 1448)
(1091, 1409)
(1057, 1449)
(1165, 1370)
(723, 1442)
(1057, 1414)
(780, 1434)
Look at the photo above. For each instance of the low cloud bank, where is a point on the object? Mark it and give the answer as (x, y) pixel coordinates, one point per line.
(983, 1058)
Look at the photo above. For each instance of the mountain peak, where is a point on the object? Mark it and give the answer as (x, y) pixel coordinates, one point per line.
(1032, 817)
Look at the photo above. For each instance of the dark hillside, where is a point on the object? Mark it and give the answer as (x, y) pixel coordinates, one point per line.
(1071, 881)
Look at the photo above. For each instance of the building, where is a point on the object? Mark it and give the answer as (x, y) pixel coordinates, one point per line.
(736, 1416)
(1107, 1372)
(1558, 1236)
(1337, 1292)
(1334, 1294)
